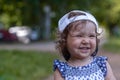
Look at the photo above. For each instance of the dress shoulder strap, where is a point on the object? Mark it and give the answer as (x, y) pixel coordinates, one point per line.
(60, 66)
(101, 62)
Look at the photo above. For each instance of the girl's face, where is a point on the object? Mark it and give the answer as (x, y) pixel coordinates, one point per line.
(81, 41)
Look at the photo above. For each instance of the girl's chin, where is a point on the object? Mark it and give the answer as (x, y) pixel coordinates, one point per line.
(84, 53)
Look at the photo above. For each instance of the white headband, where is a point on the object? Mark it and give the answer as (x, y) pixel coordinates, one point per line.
(64, 21)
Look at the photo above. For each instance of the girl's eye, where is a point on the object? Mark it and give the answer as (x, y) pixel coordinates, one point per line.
(92, 36)
(78, 35)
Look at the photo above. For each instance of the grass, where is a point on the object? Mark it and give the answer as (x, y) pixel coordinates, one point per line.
(25, 65)
(113, 45)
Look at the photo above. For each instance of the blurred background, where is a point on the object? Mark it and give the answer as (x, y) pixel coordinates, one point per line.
(37, 20)
(28, 31)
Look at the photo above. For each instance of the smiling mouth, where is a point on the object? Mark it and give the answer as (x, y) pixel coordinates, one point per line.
(84, 49)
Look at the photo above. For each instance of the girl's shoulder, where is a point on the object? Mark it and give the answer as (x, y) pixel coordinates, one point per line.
(59, 62)
(101, 62)
(100, 58)
(60, 65)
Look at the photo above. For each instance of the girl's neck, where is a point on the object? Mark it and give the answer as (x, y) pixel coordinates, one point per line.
(80, 62)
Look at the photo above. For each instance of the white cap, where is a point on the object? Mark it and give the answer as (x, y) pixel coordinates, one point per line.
(64, 21)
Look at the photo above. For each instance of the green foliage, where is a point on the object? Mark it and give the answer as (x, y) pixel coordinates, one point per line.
(25, 65)
(31, 12)
(113, 45)
(19, 12)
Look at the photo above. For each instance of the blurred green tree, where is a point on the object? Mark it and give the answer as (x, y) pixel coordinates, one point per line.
(31, 12)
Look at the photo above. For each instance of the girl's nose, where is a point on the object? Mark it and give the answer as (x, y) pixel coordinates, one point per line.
(85, 41)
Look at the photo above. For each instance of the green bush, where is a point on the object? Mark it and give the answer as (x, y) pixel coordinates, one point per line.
(25, 65)
(113, 45)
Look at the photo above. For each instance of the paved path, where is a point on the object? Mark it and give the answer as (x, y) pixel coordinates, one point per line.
(114, 59)
(42, 46)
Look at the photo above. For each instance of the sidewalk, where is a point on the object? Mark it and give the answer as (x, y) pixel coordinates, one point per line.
(42, 46)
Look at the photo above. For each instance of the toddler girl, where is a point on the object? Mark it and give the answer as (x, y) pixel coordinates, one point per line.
(78, 43)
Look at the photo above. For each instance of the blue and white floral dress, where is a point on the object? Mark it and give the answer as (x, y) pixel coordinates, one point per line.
(96, 70)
